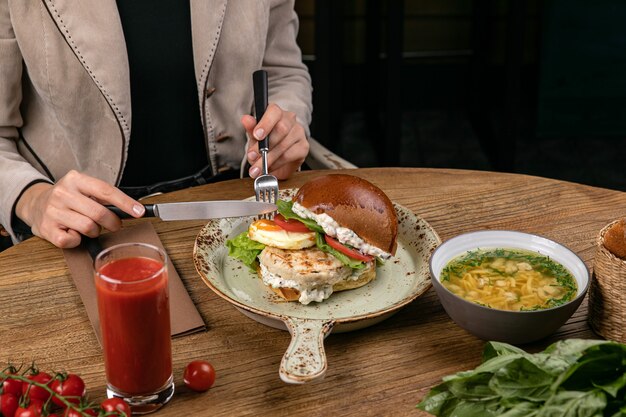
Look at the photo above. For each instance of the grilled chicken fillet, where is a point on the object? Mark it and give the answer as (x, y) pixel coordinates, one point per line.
(309, 274)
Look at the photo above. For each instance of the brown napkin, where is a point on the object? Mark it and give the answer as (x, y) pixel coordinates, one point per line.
(184, 316)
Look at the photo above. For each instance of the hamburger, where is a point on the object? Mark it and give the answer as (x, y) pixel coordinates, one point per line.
(328, 238)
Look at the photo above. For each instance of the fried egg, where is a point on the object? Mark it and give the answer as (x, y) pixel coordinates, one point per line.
(270, 234)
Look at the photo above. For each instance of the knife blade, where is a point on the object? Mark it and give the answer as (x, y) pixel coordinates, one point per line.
(201, 210)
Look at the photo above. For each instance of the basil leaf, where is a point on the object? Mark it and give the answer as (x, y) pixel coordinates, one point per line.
(522, 380)
(577, 378)
(574, 404)
(493, 349)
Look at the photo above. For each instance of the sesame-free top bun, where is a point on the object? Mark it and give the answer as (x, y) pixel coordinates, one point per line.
(355, 204)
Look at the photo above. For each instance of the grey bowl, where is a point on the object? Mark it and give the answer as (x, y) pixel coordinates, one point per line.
(516, 327)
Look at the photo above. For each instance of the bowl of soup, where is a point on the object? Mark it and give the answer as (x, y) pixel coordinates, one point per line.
(508, 286)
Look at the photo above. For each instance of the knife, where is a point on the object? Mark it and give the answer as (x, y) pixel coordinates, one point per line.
(201, 210)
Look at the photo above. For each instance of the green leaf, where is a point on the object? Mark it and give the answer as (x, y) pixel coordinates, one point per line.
(613, 387)
(572, 349)
(574, 404)
(286, 209)
(600, 364)
(346, 260)
(438, 400)
(493, 349)
(476, 409)
(443, 403)
(571, 378)
(522, 379)
(474, 386)
(522, 409)
(494, 364)
(245, 249)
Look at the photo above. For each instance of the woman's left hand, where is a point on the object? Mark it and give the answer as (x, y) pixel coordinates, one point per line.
(288, 143)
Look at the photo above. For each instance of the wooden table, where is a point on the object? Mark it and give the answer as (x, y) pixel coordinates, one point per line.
(382, 370)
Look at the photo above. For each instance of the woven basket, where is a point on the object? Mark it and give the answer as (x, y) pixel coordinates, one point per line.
(607, 292)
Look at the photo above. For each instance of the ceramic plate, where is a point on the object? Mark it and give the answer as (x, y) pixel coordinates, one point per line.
(399, 281)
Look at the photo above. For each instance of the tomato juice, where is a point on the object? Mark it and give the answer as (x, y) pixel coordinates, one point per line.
(135, 324)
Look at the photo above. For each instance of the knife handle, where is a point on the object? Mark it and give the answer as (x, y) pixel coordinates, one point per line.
(123, 215)
(261, 98)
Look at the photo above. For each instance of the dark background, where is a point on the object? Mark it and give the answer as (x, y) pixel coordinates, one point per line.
(527, 86)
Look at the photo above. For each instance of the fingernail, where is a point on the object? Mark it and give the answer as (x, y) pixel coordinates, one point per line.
(138, 209)
(252, 156)
(259, 134)
(254, 172)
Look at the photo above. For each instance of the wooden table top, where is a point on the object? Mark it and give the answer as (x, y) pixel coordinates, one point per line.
(381, 370)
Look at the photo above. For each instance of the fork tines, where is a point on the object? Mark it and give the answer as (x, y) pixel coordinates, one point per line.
(266, 189)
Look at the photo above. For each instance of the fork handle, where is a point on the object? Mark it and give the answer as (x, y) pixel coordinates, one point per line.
(261, 97)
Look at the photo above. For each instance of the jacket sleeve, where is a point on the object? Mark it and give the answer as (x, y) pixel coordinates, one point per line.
(289, 79)
(15, 172)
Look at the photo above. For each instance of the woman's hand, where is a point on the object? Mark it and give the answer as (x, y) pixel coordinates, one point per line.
(60, 213)
(288, 143)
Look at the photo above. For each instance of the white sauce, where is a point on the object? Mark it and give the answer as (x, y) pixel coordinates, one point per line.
(316, 292)
(313, 293)
(344, 235)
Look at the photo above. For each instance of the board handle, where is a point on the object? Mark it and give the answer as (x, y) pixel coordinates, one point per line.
(305, 358)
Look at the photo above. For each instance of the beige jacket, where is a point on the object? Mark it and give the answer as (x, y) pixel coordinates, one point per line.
(65, 93)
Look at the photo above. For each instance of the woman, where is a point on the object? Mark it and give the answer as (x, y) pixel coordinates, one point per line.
(70, 139)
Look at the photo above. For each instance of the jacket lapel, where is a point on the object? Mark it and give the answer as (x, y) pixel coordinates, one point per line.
(207, 17)
(92, 28)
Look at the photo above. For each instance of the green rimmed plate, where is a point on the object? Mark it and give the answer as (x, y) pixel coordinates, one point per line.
(399, 281)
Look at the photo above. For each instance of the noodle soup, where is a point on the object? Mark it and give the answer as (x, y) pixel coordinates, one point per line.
(509, 279)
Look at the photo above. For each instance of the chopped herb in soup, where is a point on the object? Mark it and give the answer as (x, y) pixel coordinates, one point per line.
(509, 279)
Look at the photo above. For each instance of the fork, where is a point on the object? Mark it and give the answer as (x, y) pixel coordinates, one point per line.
(265, 185)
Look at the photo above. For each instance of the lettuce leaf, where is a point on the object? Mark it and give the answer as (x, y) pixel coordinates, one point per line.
(245, 249)
(286, 209)
(346, 260)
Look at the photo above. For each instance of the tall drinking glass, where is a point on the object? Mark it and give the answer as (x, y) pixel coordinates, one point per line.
(133, 306)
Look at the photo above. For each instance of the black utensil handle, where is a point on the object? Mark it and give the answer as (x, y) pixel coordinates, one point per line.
(92, 244)
(123, 215)
(261, 97)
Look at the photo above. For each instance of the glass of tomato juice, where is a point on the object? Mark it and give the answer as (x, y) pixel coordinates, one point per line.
(133, 305)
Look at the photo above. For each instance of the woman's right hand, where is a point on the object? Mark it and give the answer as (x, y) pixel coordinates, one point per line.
(60, 213)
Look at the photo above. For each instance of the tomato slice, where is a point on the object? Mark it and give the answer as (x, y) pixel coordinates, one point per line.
(335, 244)
(291, 225)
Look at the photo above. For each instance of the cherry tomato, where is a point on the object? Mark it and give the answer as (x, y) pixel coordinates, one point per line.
(352, 253)
(291, 225)
(116, 404)
(8, 404)
(12, 386)
(70, 386)
(199, 375)
(34, 392)
(33, 410)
